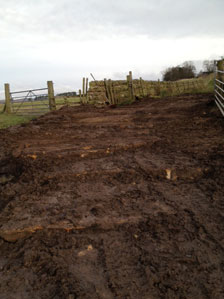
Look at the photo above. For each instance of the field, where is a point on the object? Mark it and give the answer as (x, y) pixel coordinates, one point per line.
(31, 109)
(1, 107)
(60, 101)
(12, 120)
(122, 202)
(26, 109)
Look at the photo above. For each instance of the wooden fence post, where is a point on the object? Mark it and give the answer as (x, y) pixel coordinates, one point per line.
(83, 88)
(142, 88)
(51, 97)
(111, 91)
(107, 91)
(80, 96)
(7, 108)
(158, 88)
(131, 86)
(128, 84)
(87, 81)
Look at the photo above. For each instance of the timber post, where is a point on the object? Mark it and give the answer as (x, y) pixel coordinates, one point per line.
(7, 108)
(142, 87)
(110, 86)
(80, 96)
(83, 88)
(130, 86)
(87, 81)
(51, 97)
(107, 91)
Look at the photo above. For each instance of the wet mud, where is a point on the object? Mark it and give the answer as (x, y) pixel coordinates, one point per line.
(124, 202)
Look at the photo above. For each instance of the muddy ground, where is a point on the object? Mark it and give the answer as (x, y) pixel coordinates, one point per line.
(123, 202)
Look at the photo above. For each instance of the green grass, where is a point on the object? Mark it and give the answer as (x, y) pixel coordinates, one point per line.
(8, 120)
(42, 105)
(209, 83)
(66, 100)
(11, 120)
(1, 107)
(125, 103)
(38, 105)
(202, 85)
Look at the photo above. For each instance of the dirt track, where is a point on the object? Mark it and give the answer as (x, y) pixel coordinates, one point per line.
(114, 203)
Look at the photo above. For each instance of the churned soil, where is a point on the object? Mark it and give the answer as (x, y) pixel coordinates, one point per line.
(115, 202)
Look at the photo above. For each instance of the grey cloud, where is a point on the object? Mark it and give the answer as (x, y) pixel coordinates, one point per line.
(38, 38)
(99, 18)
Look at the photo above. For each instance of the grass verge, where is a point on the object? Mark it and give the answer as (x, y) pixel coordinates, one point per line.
(8, 120)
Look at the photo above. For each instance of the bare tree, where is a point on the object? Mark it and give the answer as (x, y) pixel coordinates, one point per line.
(208, 66)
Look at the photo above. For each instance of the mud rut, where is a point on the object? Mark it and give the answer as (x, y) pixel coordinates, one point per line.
(114, 203)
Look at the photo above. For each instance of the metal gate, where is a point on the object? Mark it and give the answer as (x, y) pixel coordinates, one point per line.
(30, 102)
(219, 85)
(35, 102)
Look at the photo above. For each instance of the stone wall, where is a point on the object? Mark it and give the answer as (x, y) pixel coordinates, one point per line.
(119, 91)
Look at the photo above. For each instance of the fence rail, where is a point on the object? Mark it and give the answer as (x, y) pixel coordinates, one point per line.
(31, 101)
(28, 103)
(35, 102)
(219, 85)
(29, 90)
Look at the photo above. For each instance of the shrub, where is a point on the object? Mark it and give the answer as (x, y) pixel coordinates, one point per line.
(185, 71)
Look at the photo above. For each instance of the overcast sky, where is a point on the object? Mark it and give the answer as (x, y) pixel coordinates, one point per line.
(64, 40)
